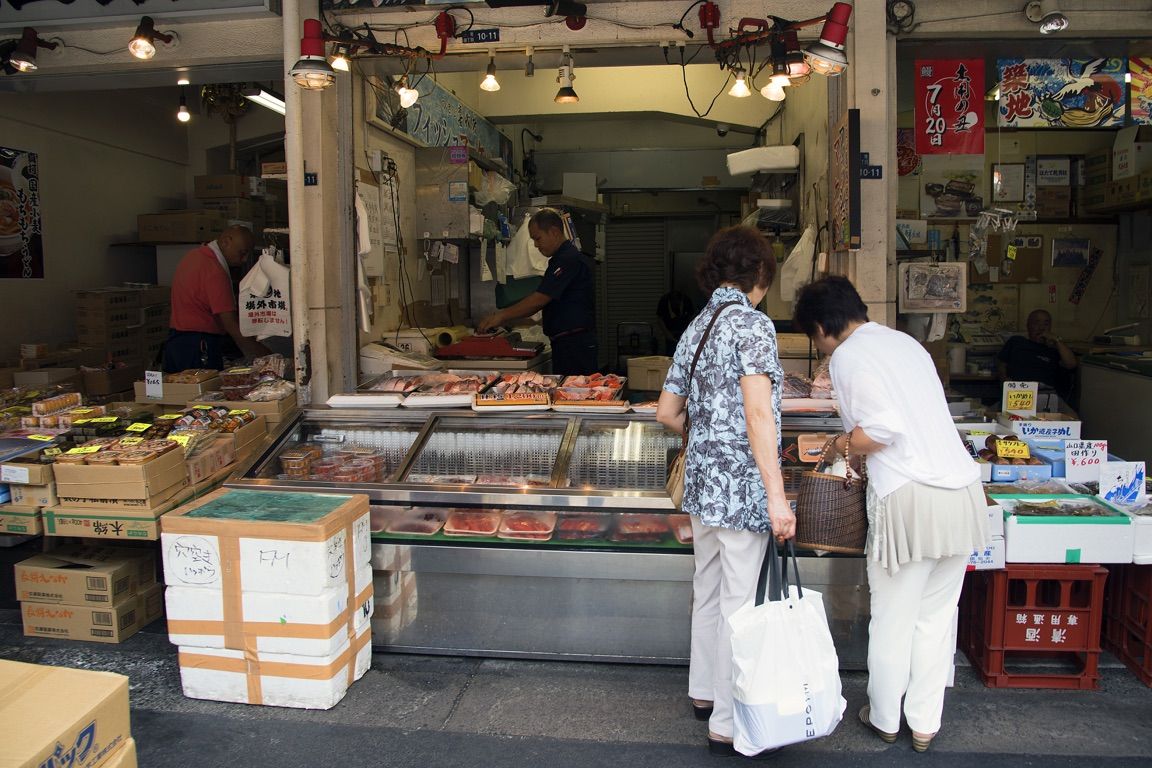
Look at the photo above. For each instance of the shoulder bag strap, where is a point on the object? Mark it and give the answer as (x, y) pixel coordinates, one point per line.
(696, 357)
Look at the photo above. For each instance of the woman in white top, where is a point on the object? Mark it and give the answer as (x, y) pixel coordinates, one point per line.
(926, 507)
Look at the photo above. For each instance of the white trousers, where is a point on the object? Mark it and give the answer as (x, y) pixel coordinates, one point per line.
(910, 641)
(727, 564)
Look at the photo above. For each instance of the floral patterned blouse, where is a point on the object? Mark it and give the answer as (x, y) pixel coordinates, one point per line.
(722, 484)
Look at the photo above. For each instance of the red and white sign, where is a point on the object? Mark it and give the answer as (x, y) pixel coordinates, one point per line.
(950, 106)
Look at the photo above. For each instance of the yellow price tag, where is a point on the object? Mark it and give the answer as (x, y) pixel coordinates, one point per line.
(81, 410)
(52, 451)
(201, 407)
(45, 438)
(131, 440)
(105, 419)
(1011, 253)
(1012, 449)
(84, 449)
(239, 411)
(78, 422)
(182, 439)
(169, 416)
(138, 427)
(1020, 400)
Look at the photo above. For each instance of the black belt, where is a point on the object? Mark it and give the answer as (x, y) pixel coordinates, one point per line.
(572, 332)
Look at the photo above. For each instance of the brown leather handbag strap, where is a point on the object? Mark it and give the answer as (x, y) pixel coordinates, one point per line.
(696, 357)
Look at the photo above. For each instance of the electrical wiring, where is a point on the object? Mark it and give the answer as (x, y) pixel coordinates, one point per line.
(626, 25)
(60, 42)
(680, 24)
(684, 78)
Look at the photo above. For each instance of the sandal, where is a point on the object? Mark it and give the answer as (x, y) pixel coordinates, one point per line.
(720, 747)
(921, 741)
(701, 709)
(885, 736)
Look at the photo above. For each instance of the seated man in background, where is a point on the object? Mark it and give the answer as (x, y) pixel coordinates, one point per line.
(1041, 356)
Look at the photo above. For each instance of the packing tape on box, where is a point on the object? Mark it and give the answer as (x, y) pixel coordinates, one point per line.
(250, 630)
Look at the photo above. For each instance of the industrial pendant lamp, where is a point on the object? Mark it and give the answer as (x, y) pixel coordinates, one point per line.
(740, 88)
(23, 55)
(408, 96)
(143, 43)
(565, 76)
(340, 59)
(1047, 15)
(182, 114)
(312, 71)
(826, 56)
(490, 83)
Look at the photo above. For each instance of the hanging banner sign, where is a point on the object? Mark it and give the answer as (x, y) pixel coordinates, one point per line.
(950, 106)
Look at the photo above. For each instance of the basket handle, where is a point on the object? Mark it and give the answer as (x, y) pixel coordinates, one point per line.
(822, 464)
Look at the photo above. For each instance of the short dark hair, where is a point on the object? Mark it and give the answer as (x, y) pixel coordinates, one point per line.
(738, 255)
(832, 302)
(547, 218)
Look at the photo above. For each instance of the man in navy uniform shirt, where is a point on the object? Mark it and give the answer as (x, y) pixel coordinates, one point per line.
(567, 294)
(1042, 356)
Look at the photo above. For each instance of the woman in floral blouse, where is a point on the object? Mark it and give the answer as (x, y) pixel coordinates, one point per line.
(733, 487)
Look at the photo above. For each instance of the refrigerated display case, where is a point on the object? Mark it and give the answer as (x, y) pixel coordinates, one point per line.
(533, 535)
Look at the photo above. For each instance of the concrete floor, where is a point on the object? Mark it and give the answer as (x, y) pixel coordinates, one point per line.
(448, 711)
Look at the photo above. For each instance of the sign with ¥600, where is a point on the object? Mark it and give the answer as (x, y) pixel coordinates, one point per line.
(1083, 460)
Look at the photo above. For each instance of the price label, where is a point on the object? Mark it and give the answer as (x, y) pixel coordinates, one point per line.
(81, 410)
(10, 473)
(131, 440)
(1011, 253)
(1083, 460)
(138, 427)
(83, 449)
(1012, 449)
(52, 451)
(202, 407)
(169, 416)
(78, 422)
(180, 438)
(105, 419)
(239, 411)
(154, 384)
(45, 438)
(1019, 397)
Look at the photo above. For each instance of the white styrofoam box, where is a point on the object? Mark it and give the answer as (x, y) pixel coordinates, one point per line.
(286, 612)
(387, 583)
(780, 158)
(411, 597)
(1067, 539)
(320, 682)
(990, 558)
(267, 565)
(995, 520)
(985, 471)
(1141, 534)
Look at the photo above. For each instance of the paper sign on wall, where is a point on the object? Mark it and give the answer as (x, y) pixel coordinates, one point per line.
(154, 384)
(1122, 482)
(1019, 397)
(1083, 460)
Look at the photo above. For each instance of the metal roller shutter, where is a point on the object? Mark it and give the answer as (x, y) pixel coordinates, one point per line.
(635, 277)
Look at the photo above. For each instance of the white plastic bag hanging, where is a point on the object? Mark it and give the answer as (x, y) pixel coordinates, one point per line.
(264, 305)
(785, 672)
(797, 268)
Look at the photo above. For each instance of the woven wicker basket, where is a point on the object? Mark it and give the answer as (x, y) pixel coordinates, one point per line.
(830, 511)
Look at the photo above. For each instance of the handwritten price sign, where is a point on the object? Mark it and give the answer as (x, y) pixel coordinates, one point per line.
(1083, 459)
(1012, 449)
(1019, 397)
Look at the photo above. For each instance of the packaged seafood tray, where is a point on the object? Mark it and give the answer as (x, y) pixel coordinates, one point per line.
(449, 389)
(191, 376)
(681, 526)
(495, 402)
(428, 479)
(640, 529)
(583, 527)
(366, 400)
(610, 380)
(395, 382)
(589, 400)
(471, 522)
(532, 526)
(648, 406)
(527, 382)
(418, 521)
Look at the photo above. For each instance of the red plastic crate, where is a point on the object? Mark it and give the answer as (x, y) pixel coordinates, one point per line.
(1034, 626)
(1128, 619)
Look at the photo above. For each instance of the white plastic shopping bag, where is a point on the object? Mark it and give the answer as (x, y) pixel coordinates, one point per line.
(265, 307)
(785, 672)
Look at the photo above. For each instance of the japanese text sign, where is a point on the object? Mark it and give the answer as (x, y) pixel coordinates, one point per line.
(1012, 449)
(1019, 397)
(1083, 459)
(950, 106)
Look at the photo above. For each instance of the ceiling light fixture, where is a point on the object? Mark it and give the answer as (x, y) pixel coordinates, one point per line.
(740, 88)
(340, 58)
(565, 76)
(266, 99)
(182, 114)
(143, 43)
(826, 55)
(408, 96)
(794, 55)
(773, 92)
(490, 83)
(1047, 15)
(22, 56)
(312, 71)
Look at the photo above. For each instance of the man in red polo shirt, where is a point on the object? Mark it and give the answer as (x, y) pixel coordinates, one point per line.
(204, 306)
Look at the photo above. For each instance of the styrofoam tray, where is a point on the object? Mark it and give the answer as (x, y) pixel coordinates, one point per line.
(366, 400)
(575, 406)
(438, 401)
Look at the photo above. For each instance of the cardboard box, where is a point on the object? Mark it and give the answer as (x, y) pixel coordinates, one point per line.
(1098, 166)
(1095, 195)
(34, 495)
(151, 503)
(990, 558)
(80, 577)
(124, 757)
(178, 394)
(33, 350)
(1042, 425)
(106, 382)
(211, 187)
(1053, 202)
(81, 713)
(273, 169)
(142, 559)
(67, 377)
(99, 300)
(1123, 192)
(237, 208)
(96, 317)
(118, 341)
(1132, 152)
(151, 294)
(121, 481)
(190, 226)
(247, 437)
(25, 472)
(1064, 539)
(21, 520)
(110, 524)
(273, 411)
(210, 460)
(151, 604)
(647, 374)
(77, 622)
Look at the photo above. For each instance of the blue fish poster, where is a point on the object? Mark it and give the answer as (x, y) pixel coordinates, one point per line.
(1061, 93)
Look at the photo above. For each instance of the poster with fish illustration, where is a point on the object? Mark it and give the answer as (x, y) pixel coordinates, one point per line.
(1061, 93)
(1141, 85)
(21, 249)
(1123, 482)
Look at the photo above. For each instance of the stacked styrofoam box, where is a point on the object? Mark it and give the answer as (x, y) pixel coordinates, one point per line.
(397, 598)
(270, 596)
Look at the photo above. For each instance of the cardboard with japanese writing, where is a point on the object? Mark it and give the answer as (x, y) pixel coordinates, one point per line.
(1083, 460)
(950, 106)
(1019, 397)
(1061, 93)
(76, 579)
(1123, 483)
